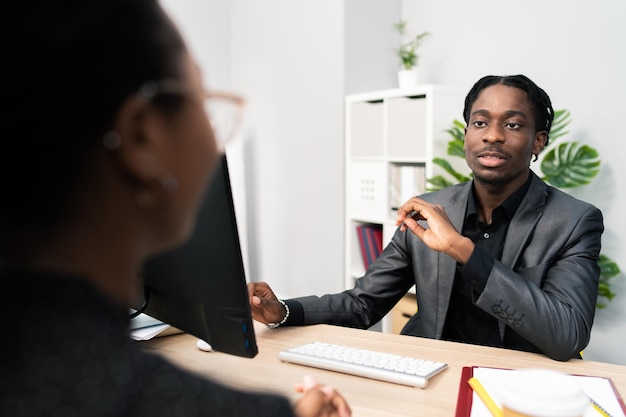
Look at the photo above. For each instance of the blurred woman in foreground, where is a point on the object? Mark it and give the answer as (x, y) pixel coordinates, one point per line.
(106, 151)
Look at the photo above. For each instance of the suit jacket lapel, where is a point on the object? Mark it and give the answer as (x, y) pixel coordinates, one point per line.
(523, 222)
(522, 226)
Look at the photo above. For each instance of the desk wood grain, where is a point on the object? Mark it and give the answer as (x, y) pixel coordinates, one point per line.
(366, 397)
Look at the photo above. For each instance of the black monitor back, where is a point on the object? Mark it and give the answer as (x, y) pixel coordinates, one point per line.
(200, 287)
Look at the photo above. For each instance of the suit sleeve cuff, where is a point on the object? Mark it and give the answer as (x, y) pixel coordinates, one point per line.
(296, 313)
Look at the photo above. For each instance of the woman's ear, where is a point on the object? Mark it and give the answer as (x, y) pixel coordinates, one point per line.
(138, 144)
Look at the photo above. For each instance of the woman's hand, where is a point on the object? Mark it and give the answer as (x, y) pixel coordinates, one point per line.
(320, 401)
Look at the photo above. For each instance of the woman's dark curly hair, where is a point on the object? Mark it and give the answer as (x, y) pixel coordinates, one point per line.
(68, 65)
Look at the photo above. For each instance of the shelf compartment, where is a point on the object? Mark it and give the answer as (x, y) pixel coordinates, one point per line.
(367, 185)
(366, 129)
(406, 127)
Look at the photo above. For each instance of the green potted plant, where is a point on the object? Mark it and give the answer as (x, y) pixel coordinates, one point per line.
(564, 165)
(407, 52)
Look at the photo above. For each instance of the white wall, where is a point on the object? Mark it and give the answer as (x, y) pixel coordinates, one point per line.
(369, 40)
(206, 27)
(288, 59)
(295, 60)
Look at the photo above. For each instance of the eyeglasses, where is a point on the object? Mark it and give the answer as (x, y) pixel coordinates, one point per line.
(225, 112)
(224, 109)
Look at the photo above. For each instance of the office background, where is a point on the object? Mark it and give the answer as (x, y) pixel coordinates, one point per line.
(295, 60)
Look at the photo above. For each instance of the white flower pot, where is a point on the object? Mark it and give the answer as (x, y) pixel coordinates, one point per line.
(407, 78)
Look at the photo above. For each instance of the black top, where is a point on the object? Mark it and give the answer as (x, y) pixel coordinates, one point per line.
(66, 351)
(465, 322)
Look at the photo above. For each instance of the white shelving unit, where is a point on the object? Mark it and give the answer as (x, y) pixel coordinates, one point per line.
(391, 138)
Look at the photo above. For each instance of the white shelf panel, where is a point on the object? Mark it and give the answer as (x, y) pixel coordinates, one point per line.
(406, 127)
(366, 191)
(366, 132)
(386, 131)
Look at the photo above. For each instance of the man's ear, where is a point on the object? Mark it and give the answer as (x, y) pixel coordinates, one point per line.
(464, 135)
(540, 142)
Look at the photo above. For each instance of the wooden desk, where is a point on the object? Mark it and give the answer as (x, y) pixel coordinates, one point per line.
(366, 397)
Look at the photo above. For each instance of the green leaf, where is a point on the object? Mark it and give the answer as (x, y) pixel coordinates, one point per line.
(448, 168)
(400, 27)
(437, 183)
(608, 268)
(604, 290)
(458, 124)
(455, 145)
(456, 134)
(457, 130)
(407, 50)
(560, 123)
(456, 148)
(570, 164)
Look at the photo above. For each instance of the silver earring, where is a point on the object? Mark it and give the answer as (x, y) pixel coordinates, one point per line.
(111, 140)
(144, 199)
(169, 184)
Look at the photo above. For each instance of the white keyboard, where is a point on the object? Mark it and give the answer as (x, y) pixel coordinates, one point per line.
(367, 363)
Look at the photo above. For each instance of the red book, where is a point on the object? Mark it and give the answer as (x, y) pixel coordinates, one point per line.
(364, 244)
(371, 241)
(378, 240)
(464, 398)
(371, 244)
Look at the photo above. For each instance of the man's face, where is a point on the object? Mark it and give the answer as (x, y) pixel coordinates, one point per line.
(500, 137)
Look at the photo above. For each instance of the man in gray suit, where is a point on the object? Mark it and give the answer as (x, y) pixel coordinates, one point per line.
(503, 260)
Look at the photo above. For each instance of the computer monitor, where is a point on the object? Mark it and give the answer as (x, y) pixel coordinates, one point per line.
(200, 287)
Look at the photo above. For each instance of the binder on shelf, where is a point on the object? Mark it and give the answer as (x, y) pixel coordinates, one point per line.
(370, 242)
(600, 389)
(406, 181)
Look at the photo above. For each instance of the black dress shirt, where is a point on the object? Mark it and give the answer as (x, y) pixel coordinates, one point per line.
(465, 322)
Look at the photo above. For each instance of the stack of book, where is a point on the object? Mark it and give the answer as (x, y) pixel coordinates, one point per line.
(370, 241)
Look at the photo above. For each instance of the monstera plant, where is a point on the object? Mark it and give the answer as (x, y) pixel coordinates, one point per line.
(564, 165)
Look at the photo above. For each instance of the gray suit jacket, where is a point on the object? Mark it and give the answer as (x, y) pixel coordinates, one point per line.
(543, 291)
